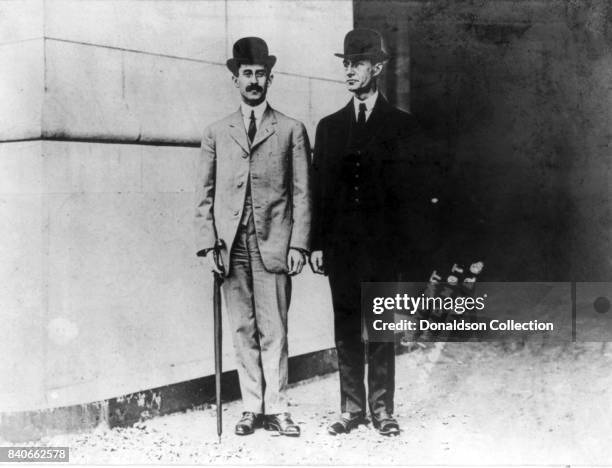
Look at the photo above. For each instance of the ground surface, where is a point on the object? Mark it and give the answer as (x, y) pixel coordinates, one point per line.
(458, 404)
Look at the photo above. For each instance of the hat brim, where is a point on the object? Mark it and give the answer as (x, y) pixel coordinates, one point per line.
(234, 64)
(375, 56)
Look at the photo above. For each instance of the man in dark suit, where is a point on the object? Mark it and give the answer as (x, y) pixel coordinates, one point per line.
(374, 216)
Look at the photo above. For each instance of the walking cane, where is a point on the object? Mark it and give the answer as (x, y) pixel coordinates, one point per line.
(218, 279)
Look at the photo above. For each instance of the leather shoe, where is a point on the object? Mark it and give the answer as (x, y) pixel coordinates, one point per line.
(346, 423)
(386, 424)
(282, 423)
(248, 423)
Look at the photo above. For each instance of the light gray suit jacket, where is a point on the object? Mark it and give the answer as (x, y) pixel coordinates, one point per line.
(278, 166)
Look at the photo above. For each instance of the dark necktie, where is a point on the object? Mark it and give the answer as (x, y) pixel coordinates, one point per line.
(361, 120)
(252, 127)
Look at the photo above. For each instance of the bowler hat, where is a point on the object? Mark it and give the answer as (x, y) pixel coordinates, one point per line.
(250, 50)
(363, 43)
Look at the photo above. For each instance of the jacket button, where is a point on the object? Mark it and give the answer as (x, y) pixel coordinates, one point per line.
(357, 164)
(236, 213)
(356, 200)
(240, 184)
(434, 200)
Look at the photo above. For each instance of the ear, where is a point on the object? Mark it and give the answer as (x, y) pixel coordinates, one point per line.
(377, 68)
(235, 80)
(270, 78)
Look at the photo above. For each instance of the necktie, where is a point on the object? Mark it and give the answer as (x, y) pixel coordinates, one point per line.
(361, 120)
(252, 127)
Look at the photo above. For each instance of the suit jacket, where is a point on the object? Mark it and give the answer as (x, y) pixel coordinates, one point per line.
(276, 165)
(388, 181)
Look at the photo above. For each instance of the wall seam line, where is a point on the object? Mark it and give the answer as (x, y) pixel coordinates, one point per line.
(178, 57)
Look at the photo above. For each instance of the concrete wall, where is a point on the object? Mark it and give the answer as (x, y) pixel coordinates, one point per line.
(102, 104)
(517, 93)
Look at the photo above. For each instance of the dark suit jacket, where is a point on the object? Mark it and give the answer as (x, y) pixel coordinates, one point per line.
(402, 196)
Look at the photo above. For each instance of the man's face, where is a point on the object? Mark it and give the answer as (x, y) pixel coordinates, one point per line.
(360, 74)
(253, 82)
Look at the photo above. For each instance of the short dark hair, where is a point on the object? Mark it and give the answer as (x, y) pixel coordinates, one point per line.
(373, 59)
(266, 67)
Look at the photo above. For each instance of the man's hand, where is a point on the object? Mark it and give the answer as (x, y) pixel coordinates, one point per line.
(209, 262)
(316, 262)
(295, 261)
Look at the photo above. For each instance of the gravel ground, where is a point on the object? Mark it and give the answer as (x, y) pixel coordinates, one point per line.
(457, 404)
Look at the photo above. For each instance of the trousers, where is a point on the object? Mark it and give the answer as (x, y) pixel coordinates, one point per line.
(350, 264)
(257, 303)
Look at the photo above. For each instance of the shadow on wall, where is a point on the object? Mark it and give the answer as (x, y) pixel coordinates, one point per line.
(515, 95)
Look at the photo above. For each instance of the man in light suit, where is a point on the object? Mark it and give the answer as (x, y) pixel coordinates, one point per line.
(253, 193)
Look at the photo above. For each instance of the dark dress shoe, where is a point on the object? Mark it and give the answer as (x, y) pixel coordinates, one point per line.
(386, 424)
(346, 423)
(283, 424)
(248, 423)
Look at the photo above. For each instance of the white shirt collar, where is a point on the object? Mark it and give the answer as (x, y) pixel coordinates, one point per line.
(258, 109)
(369, 102)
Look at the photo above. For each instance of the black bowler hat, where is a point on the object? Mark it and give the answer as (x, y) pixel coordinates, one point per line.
(252, 51)
(363, 43)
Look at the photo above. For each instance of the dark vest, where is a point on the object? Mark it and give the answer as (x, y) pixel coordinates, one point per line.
(359, 174)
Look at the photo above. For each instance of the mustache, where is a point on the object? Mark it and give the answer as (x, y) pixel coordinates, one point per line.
(254, 87)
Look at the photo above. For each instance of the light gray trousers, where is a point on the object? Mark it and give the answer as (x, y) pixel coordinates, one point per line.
(257, 302)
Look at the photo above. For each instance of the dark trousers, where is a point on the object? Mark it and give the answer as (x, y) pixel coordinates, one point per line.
(347, 269)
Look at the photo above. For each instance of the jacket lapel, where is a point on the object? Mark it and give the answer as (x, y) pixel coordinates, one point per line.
(376, 122)
(347, 125)
(237, 130)
(266, 128)
(374, 125)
